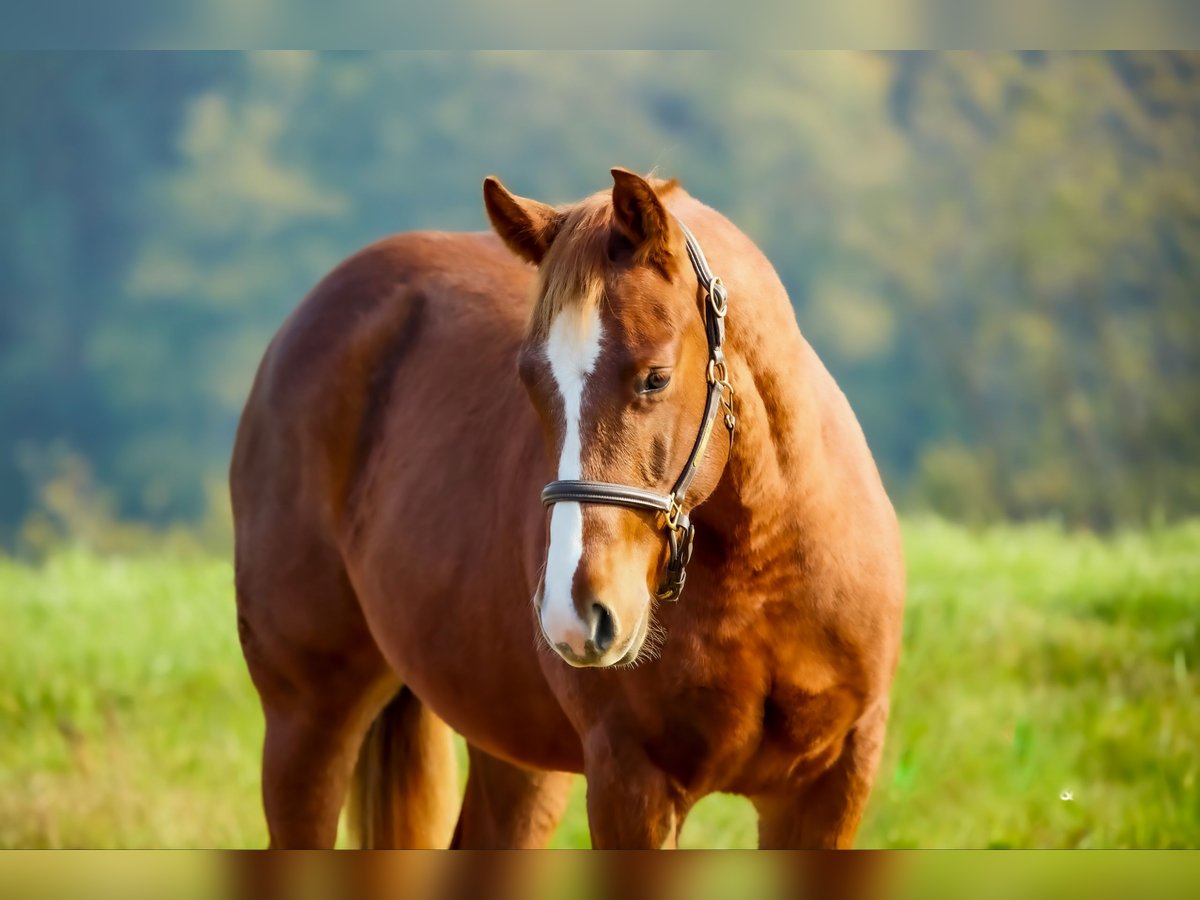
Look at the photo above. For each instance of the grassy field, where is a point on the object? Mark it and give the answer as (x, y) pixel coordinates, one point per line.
(1036, 662)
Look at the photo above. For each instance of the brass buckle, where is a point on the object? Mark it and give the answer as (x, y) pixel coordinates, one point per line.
(674, 514)
(727, 398)
(680, 541)
(718, 372)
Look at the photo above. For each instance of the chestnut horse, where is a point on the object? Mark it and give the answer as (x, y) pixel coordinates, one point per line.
(398, 577)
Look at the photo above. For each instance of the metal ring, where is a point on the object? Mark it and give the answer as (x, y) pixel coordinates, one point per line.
(713, 368)
(719, 296)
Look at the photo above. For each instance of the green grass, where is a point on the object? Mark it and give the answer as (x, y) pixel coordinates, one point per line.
(1035, 661)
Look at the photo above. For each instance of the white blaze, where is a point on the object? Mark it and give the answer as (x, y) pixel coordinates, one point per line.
(572, 348)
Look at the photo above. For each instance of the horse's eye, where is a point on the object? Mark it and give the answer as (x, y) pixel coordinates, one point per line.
(656, 380)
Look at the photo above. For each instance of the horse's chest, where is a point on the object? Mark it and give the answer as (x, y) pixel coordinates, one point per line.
(718, 739)
(802, 732)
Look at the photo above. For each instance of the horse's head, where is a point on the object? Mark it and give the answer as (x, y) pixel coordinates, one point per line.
(614, 361)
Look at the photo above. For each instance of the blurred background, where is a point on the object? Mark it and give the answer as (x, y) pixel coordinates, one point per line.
(997, 255)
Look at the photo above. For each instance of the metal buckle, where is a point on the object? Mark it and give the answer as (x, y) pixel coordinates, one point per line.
(680, 541)
(718, 296)
(718, 372)
(727, 398)
(674, 514)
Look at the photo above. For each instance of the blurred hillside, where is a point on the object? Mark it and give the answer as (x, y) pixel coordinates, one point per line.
(998, 256)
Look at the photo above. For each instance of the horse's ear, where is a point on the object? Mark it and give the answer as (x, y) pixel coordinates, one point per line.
(526, 226)
(641, 216)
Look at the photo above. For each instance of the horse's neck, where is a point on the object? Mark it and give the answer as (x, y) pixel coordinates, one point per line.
(775, 480)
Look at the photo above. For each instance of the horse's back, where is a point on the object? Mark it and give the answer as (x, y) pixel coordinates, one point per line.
(324, 386)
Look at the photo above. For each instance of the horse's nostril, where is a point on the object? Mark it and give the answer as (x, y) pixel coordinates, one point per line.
(604, 627)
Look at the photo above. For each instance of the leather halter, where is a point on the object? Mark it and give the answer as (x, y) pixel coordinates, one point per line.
(676, 523)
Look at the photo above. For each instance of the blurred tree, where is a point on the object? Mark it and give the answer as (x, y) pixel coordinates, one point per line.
(997, 255)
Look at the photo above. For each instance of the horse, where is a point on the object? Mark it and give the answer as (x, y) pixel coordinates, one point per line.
(452, 495)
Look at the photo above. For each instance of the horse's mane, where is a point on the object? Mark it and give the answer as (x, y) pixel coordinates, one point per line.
(573, 270)
(572, 273)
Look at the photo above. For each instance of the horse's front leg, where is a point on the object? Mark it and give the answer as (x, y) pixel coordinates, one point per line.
(631, 803)
(825, 815)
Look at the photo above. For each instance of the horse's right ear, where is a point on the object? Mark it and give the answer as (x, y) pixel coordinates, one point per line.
(526, 226)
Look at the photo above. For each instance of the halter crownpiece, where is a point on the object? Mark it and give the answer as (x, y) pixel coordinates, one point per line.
(677, 525)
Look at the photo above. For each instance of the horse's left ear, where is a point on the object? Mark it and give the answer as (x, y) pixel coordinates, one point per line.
(641, 216)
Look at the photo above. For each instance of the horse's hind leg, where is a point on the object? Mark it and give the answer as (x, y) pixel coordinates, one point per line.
(308, 756)
(321, 680)
(509, 807)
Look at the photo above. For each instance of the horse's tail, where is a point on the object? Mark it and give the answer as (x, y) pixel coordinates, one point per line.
(404, 793)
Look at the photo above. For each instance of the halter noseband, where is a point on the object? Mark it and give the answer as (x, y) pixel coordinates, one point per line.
(678, 526)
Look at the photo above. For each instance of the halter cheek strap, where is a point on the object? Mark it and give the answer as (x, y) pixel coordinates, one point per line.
(678, 526)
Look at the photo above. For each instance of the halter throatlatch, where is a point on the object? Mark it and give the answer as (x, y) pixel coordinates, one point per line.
(676, 523)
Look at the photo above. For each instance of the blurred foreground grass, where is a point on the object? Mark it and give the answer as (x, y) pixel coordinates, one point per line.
(1035, 662)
